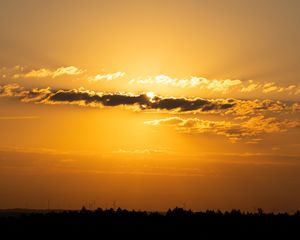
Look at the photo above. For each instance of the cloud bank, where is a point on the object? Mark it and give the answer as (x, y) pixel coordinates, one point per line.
(245, 119)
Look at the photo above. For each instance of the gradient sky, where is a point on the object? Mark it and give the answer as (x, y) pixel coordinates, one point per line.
(150, 104)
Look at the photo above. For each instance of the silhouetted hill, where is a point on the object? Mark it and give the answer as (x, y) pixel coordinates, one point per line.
(175, 223)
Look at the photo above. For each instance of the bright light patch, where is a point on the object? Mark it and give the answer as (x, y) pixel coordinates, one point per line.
(150, 94)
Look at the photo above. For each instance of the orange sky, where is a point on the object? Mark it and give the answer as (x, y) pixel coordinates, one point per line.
(150, 104)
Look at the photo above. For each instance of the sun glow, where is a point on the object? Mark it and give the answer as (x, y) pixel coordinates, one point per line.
(150, 94)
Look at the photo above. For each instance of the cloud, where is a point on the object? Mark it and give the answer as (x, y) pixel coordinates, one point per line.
(253, 107)
(234, 131)
(89, 98)
(295, 107)
(247, 118)
(222, 86)
(40, 73)
(187, 104)
(209, 87)
(218, 85)
(85, 97)
(36, 95)
(71, 70)
(250, 88)
(44, 72)
(268, 88)
(108, 76)
(11, 90)
(203, 83)
(144, 101)
(167, 80)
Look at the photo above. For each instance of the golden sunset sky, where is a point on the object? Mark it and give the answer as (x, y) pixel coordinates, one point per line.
(150, 104)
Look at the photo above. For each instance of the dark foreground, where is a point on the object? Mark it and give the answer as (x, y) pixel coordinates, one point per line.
(100, 224)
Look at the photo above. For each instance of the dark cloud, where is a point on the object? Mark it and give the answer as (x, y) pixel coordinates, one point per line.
(104, 99)
(117, 99)
(184, 104)
(73, 96)
(142, 100)
(181, 103)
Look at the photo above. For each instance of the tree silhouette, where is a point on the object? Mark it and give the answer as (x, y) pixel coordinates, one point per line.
(175, 222)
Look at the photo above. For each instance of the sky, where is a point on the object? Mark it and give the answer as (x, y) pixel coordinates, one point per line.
(150, 104)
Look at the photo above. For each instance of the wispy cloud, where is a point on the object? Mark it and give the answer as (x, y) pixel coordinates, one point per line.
(224, 86)
(107, 77)
(200, 82)
(45, 72)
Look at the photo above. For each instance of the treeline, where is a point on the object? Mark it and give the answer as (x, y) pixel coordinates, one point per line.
(176, 222)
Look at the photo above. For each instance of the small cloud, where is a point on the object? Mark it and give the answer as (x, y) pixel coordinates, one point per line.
(250, 88)
(71, 70)
(11, 90)
(107, 77)
(45, 72)
(40, 73)
(269, 87)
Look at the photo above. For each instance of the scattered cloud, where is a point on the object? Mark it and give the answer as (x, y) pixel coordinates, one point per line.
(218, 85)
(203, 83)
(40, 73)
(235, 131)
(268, 88)
(250, 87)
(11, 90)
(71, 70)
(232, 87)
(252, 107)
(271, 87)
